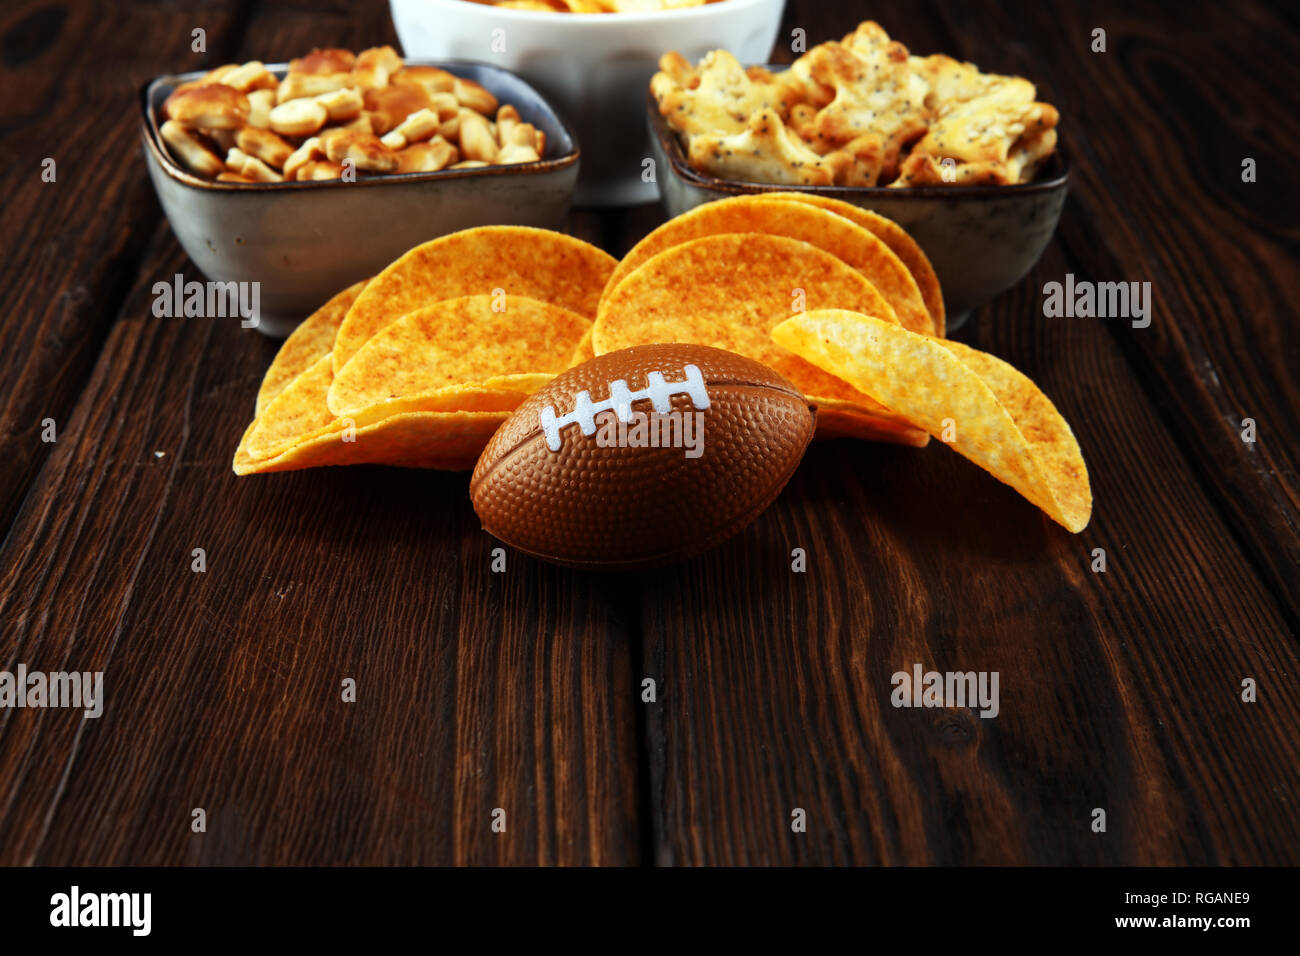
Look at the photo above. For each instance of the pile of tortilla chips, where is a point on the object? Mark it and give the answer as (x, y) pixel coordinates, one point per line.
(725, 273)
(759, 275)
(421, 364)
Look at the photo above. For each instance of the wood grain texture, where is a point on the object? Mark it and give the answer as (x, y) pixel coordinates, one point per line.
(475, 691)
(1166, 204)
(1118, 690)
(777, 684)
(70, 74)
(522, 691)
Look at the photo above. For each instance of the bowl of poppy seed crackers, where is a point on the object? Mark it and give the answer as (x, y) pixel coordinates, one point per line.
(969, 162)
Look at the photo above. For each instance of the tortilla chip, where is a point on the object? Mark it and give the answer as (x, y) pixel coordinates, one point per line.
(841, 237)
(518, 260)
(503, 397)
(298, 413)
(899, 242)
(729, 292)
(307, 343)
(464, 341)
(1055, 449)
(298, 431)
(584, 352)
(1003, 422)
(450, 441)
(837, 418)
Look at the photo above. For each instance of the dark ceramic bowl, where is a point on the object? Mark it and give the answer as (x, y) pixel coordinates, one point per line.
(981, 240)
(304, 241)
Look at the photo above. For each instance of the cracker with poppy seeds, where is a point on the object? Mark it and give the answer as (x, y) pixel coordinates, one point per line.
(860, 111)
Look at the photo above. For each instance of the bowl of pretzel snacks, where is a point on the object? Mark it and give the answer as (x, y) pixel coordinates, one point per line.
(967, 162)
(303, 175)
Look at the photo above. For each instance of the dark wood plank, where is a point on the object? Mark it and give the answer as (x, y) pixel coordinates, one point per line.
(521, 691)
(70, 74)
(1118, 691)
(476, 691)
(1158, 127)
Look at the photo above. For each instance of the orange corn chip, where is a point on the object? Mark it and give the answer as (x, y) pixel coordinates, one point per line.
(516, 341)
(999, 418)
(899, 242)
(584, 351)
(517, 260)
(450, 441)
(841, 237)
(297, 429)
(307, 343)
(729, 292)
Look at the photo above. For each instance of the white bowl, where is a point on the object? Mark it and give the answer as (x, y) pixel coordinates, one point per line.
(594, 68)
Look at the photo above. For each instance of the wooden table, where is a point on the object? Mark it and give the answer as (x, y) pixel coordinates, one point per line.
(523, 691)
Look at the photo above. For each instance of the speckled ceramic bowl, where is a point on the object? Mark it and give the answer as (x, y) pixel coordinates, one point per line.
(981, 240)
(304, 241)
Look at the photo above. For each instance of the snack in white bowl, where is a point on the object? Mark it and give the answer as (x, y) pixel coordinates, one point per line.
(593, 68)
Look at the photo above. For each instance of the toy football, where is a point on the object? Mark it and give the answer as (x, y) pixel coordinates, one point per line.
(641, 457)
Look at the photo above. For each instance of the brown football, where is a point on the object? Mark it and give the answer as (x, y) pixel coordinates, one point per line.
(641, 457)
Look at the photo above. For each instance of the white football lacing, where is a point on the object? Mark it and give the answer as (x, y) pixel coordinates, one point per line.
(620, 402)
